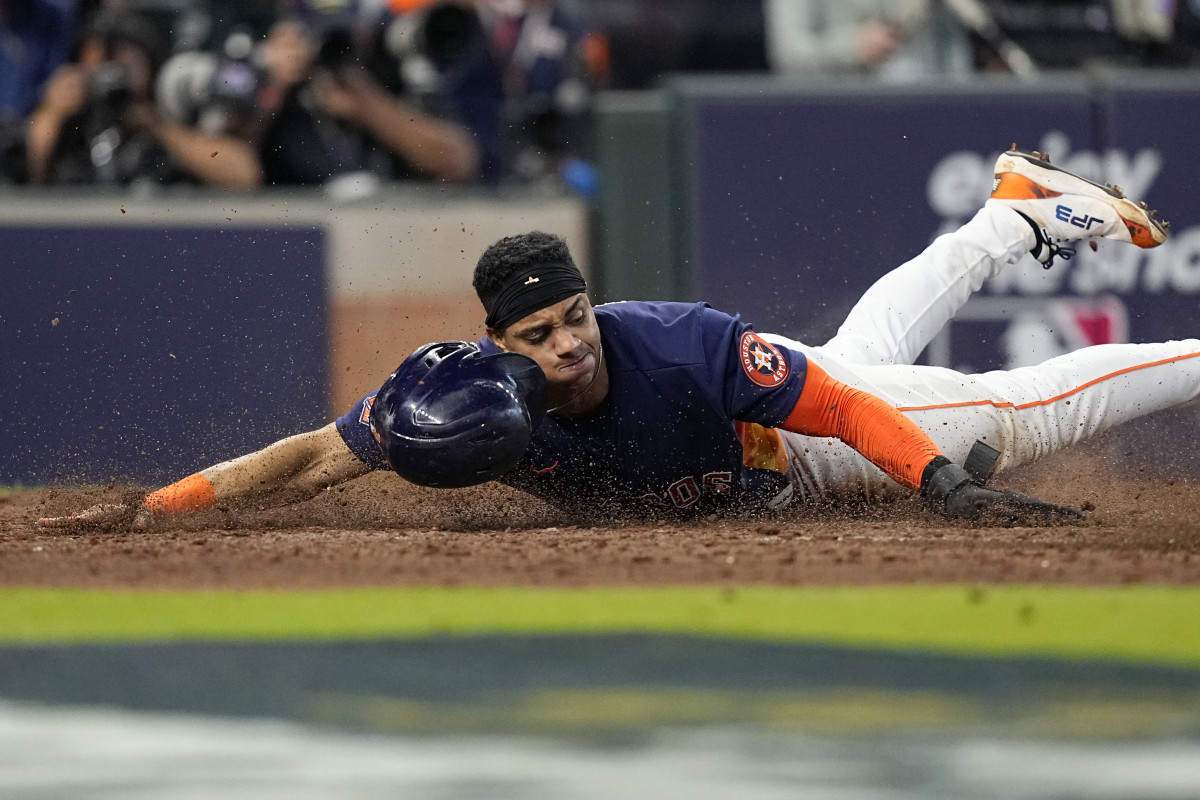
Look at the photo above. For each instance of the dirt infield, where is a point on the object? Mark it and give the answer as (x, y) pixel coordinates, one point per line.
(379, 531)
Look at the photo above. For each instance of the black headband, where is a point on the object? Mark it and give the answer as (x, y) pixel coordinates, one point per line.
(530, 290)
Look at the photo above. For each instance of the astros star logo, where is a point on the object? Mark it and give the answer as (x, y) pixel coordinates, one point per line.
(761, 361)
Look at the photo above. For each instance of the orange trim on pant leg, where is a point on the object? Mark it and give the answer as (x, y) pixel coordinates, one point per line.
(190, 494)
(1056, 398)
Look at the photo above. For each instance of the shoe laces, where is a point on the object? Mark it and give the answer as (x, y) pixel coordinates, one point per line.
(1056, 250)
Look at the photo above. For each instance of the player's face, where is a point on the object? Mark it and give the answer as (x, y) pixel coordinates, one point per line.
(565, 342)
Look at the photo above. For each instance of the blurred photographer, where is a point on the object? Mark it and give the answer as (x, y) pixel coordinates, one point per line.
(334, 105)
(551, 61)
(893, 40)
(98, 122)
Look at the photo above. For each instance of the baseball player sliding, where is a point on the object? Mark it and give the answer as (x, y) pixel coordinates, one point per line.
(678, 407)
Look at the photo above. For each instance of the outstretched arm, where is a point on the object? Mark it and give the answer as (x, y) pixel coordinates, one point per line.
(289, 470)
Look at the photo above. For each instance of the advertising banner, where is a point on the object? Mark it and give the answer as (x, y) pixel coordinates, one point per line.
(147, 354)
(800, 203)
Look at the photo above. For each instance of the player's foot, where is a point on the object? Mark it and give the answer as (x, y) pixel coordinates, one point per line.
(1064, 208)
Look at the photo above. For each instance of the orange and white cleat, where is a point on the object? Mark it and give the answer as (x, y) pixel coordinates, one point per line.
(1064, 208)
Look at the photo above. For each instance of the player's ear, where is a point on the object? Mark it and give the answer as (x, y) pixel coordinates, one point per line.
(496, 337)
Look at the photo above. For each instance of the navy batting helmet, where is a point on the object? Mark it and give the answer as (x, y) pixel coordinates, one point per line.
(451, 416)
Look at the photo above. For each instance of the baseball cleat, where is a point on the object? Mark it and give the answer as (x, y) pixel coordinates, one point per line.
(1064, 208)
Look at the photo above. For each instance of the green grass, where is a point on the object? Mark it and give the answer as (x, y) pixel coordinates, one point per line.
(1142, 624)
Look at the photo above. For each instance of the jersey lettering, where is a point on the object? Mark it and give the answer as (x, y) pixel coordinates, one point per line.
(718, 482)
(686, 491)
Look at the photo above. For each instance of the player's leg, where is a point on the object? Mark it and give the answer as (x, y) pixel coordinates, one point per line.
(1024, 413)
(902, 311)
(1034, 207)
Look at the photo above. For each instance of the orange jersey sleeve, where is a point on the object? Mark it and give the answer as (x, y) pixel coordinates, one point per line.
(887, 438)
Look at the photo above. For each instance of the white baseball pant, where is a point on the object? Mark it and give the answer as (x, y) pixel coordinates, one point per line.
(1025, 413)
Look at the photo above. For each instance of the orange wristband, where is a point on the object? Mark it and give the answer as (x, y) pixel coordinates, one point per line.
(190, 494)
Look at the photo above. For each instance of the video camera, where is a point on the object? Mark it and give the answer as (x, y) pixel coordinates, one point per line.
(195, 85)
(436, 39)
(449, 35)
(108, 92)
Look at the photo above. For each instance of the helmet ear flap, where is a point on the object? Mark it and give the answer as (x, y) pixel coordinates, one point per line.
(530, 381)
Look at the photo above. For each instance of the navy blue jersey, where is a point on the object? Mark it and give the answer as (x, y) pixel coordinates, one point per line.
(688, 423)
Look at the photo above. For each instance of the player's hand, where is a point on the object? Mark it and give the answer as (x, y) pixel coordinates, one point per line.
(104, 514)
(951, 491)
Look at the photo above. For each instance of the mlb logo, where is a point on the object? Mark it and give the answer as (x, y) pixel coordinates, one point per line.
(1063, 325)
(365, 417)
(1017, 332)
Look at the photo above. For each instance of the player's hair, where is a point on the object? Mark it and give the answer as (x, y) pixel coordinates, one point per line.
(513, 253)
